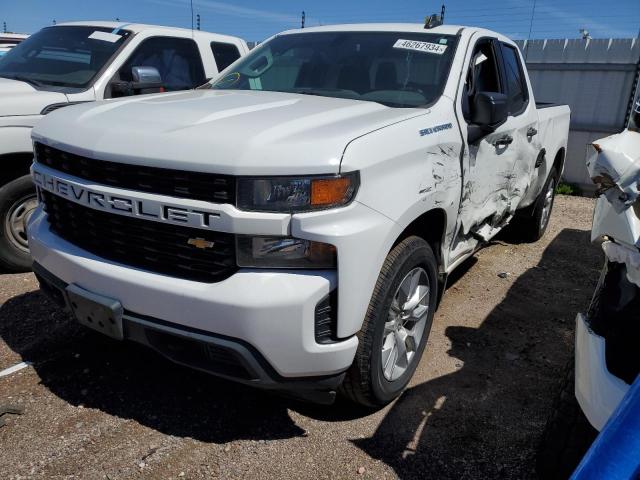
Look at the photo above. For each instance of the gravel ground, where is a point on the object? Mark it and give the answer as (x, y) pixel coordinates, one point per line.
(99, 409)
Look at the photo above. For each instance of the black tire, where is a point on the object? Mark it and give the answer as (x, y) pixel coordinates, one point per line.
(14, 255)
(530, 224)
(365, 383)
(567, 435)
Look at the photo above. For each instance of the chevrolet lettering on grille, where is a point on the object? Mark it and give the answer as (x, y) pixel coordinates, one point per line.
(124, 204)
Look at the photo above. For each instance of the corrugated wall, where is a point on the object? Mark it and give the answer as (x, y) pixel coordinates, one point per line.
(596, 78)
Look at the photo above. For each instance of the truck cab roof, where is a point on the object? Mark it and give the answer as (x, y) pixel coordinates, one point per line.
(157, 29)
(400, 28)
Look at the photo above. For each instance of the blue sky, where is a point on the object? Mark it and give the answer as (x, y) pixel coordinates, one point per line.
(256, 20)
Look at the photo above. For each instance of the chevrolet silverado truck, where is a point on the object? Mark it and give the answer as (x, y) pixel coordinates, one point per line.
(83, 62)
(292, 224)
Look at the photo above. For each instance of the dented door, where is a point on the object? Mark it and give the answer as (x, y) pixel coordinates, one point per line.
(498, 167)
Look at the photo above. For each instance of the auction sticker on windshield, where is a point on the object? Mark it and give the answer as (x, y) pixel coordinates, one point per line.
(105, 36)
(425, 47)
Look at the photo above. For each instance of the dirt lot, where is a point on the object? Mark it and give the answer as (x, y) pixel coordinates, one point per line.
(475, 408)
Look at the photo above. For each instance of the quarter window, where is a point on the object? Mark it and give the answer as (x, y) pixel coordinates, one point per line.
(224, 54)
(516, 85)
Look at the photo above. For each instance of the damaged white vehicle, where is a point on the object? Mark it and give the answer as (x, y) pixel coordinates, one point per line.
(292, 225)
(607, 355)
(607, 358)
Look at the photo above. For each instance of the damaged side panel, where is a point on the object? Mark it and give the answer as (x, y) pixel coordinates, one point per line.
(496, 178)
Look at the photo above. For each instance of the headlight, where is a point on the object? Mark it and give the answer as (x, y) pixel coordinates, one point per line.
(283, 252)
(296, 194)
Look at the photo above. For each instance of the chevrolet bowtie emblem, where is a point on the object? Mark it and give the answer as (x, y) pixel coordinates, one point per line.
(200, 243)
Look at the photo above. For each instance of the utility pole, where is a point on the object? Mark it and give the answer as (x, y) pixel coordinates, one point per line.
(304, 17)
(584, 33)
(442, 13)
(54, 21)
(198, 21)
(4, 27)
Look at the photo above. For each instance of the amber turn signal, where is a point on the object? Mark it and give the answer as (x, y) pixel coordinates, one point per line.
(330, 191)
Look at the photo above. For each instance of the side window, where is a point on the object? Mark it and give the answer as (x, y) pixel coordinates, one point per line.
(482, 75)
(516, 84)
(177, 60)
(224, 54)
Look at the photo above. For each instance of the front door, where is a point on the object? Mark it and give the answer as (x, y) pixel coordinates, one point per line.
(495, 167)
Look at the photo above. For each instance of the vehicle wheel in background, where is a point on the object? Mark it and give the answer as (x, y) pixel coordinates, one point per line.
(530, 223)
(396, 325)
(567, 435)
(17, 203)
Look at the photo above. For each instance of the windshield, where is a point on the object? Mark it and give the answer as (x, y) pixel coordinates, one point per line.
(397, 69)
(62, 56)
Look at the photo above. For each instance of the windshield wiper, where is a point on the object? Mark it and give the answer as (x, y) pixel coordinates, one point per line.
(22, 78)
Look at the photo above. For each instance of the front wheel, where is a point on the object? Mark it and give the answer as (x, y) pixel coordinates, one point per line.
(396, 326)
(17, 203)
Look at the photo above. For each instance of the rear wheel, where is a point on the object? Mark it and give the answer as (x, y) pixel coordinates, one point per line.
(531, 223)
(396, 326)
(17, 203)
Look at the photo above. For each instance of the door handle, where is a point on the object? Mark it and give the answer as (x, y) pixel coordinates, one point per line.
(503, 141)
(531, 132)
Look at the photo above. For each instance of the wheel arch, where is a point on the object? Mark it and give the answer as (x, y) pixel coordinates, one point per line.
(14, 165)
(430, 226)
(558, 160)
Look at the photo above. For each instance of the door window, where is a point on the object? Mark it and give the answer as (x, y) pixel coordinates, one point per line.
(177, 60)
(482, 76)
(516, 85)
(224, 54)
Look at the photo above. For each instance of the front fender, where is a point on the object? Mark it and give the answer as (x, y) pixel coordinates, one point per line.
(15, 134)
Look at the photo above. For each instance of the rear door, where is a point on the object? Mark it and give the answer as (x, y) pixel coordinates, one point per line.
(523, 116)
(224, 54)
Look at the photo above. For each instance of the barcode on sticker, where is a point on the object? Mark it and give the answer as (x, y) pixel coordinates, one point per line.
(105, 36)
(426, 47)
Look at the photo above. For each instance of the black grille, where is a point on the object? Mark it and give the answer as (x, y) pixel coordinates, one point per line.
(144, 244)
(165, 181)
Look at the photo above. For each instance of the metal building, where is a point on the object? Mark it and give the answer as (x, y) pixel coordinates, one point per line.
(597, 78)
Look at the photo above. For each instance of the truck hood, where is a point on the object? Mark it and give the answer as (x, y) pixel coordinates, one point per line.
(228, 132)
(20, 98)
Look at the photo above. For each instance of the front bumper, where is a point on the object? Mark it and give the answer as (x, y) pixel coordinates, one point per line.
(269, 314)
(598, 391)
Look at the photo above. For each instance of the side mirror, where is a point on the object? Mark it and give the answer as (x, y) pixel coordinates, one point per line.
(147, 76)
(488, 112)
(145, 80)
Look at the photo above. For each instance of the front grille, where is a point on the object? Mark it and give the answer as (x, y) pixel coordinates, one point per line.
(164, 181)
(144, 244)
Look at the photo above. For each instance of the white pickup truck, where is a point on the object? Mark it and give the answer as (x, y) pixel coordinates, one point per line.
(83, 62)
(292, 225)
